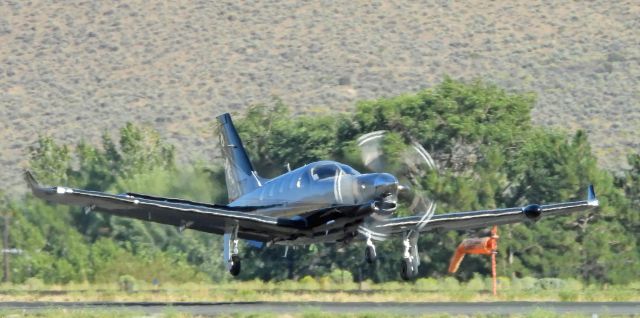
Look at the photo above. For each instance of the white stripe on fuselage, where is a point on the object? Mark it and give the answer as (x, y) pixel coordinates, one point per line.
(337, 191)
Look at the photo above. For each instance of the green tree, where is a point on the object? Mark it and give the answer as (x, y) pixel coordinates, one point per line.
(49, 160)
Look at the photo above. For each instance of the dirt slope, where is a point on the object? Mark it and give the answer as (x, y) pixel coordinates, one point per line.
(73, 69)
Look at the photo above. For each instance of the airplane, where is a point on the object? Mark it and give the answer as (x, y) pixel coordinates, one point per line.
(321, 202)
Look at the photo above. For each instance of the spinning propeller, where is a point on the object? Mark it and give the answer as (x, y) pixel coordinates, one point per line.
(409, 163)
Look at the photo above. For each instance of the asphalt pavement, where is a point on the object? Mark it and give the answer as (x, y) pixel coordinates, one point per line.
(408, 308)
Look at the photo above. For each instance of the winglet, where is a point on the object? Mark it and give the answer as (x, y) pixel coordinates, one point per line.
(591, 196)
(31, 180)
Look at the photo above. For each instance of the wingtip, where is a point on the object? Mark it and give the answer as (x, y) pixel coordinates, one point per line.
(591, 196)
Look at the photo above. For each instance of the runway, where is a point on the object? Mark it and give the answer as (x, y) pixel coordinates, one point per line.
(413, 308)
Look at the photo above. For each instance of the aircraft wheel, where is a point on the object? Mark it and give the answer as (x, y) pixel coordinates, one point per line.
(406, 269)
(235, 265)
(370, 254)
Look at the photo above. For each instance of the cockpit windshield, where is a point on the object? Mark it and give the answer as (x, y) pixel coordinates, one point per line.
(331, 170)
(324, 171)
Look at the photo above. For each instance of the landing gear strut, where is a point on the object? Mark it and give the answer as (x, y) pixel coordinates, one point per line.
(410, 259)
(370, 252)
(231, 257)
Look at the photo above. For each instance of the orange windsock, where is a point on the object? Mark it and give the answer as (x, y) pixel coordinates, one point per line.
(470, 246)
(485, 245)
(456, 259)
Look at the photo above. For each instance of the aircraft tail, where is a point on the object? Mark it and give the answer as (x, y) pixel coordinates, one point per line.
(239, 173)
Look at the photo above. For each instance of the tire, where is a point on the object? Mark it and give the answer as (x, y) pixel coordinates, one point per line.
(370, 255)
(235, 265)
(415, 272)
(406, 269)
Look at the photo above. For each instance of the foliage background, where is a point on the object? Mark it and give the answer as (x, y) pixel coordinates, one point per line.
(489, 152)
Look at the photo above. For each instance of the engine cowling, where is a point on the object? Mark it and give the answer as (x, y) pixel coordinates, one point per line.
(532, 212)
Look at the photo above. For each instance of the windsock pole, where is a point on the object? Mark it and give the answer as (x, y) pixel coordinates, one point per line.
(493, 273)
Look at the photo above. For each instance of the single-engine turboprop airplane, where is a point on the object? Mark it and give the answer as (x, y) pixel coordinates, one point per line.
(322, 202)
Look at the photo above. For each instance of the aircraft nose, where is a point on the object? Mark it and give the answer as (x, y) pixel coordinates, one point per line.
(378, 185)
(386, 184)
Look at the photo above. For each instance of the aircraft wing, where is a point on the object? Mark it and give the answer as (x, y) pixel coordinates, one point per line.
(181, 213)
(484, 218)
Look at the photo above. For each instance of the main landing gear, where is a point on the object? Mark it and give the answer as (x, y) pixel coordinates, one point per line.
(231, 257)
(410, 260)
(234, 268)
(370, 252)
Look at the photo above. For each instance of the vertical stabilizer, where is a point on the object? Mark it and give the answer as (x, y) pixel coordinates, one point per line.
(240, 175)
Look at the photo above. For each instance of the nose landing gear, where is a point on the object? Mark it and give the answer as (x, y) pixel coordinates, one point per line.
(410, 260)
(231, 256)
(370, 252)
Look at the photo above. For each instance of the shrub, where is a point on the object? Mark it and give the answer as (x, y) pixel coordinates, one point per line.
(34, 283)
(476, 283)
(127, 283)
(449, 283)
(340, 276)
(324, 282)
(308, 282)
(550, 283)
(568, 295)
(525, 283)
(572, 284)
(503, 282)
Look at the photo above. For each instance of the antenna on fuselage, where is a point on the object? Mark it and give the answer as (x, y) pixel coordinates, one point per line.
(288, 166)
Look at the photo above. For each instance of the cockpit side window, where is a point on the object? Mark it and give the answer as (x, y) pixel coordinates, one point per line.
(324, 171)
(349, 170)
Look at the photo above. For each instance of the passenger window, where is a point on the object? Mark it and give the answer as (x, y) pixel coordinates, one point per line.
(299, 182)
(294, 182)
(302, 180)
(284, 182)
(269, 189)
(324, 172)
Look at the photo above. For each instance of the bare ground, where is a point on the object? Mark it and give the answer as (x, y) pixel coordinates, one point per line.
(74, 69)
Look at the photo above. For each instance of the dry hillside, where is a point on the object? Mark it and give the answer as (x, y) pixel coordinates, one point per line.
(74, 69)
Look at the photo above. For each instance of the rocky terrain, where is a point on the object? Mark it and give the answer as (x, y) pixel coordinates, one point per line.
(75, 69)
